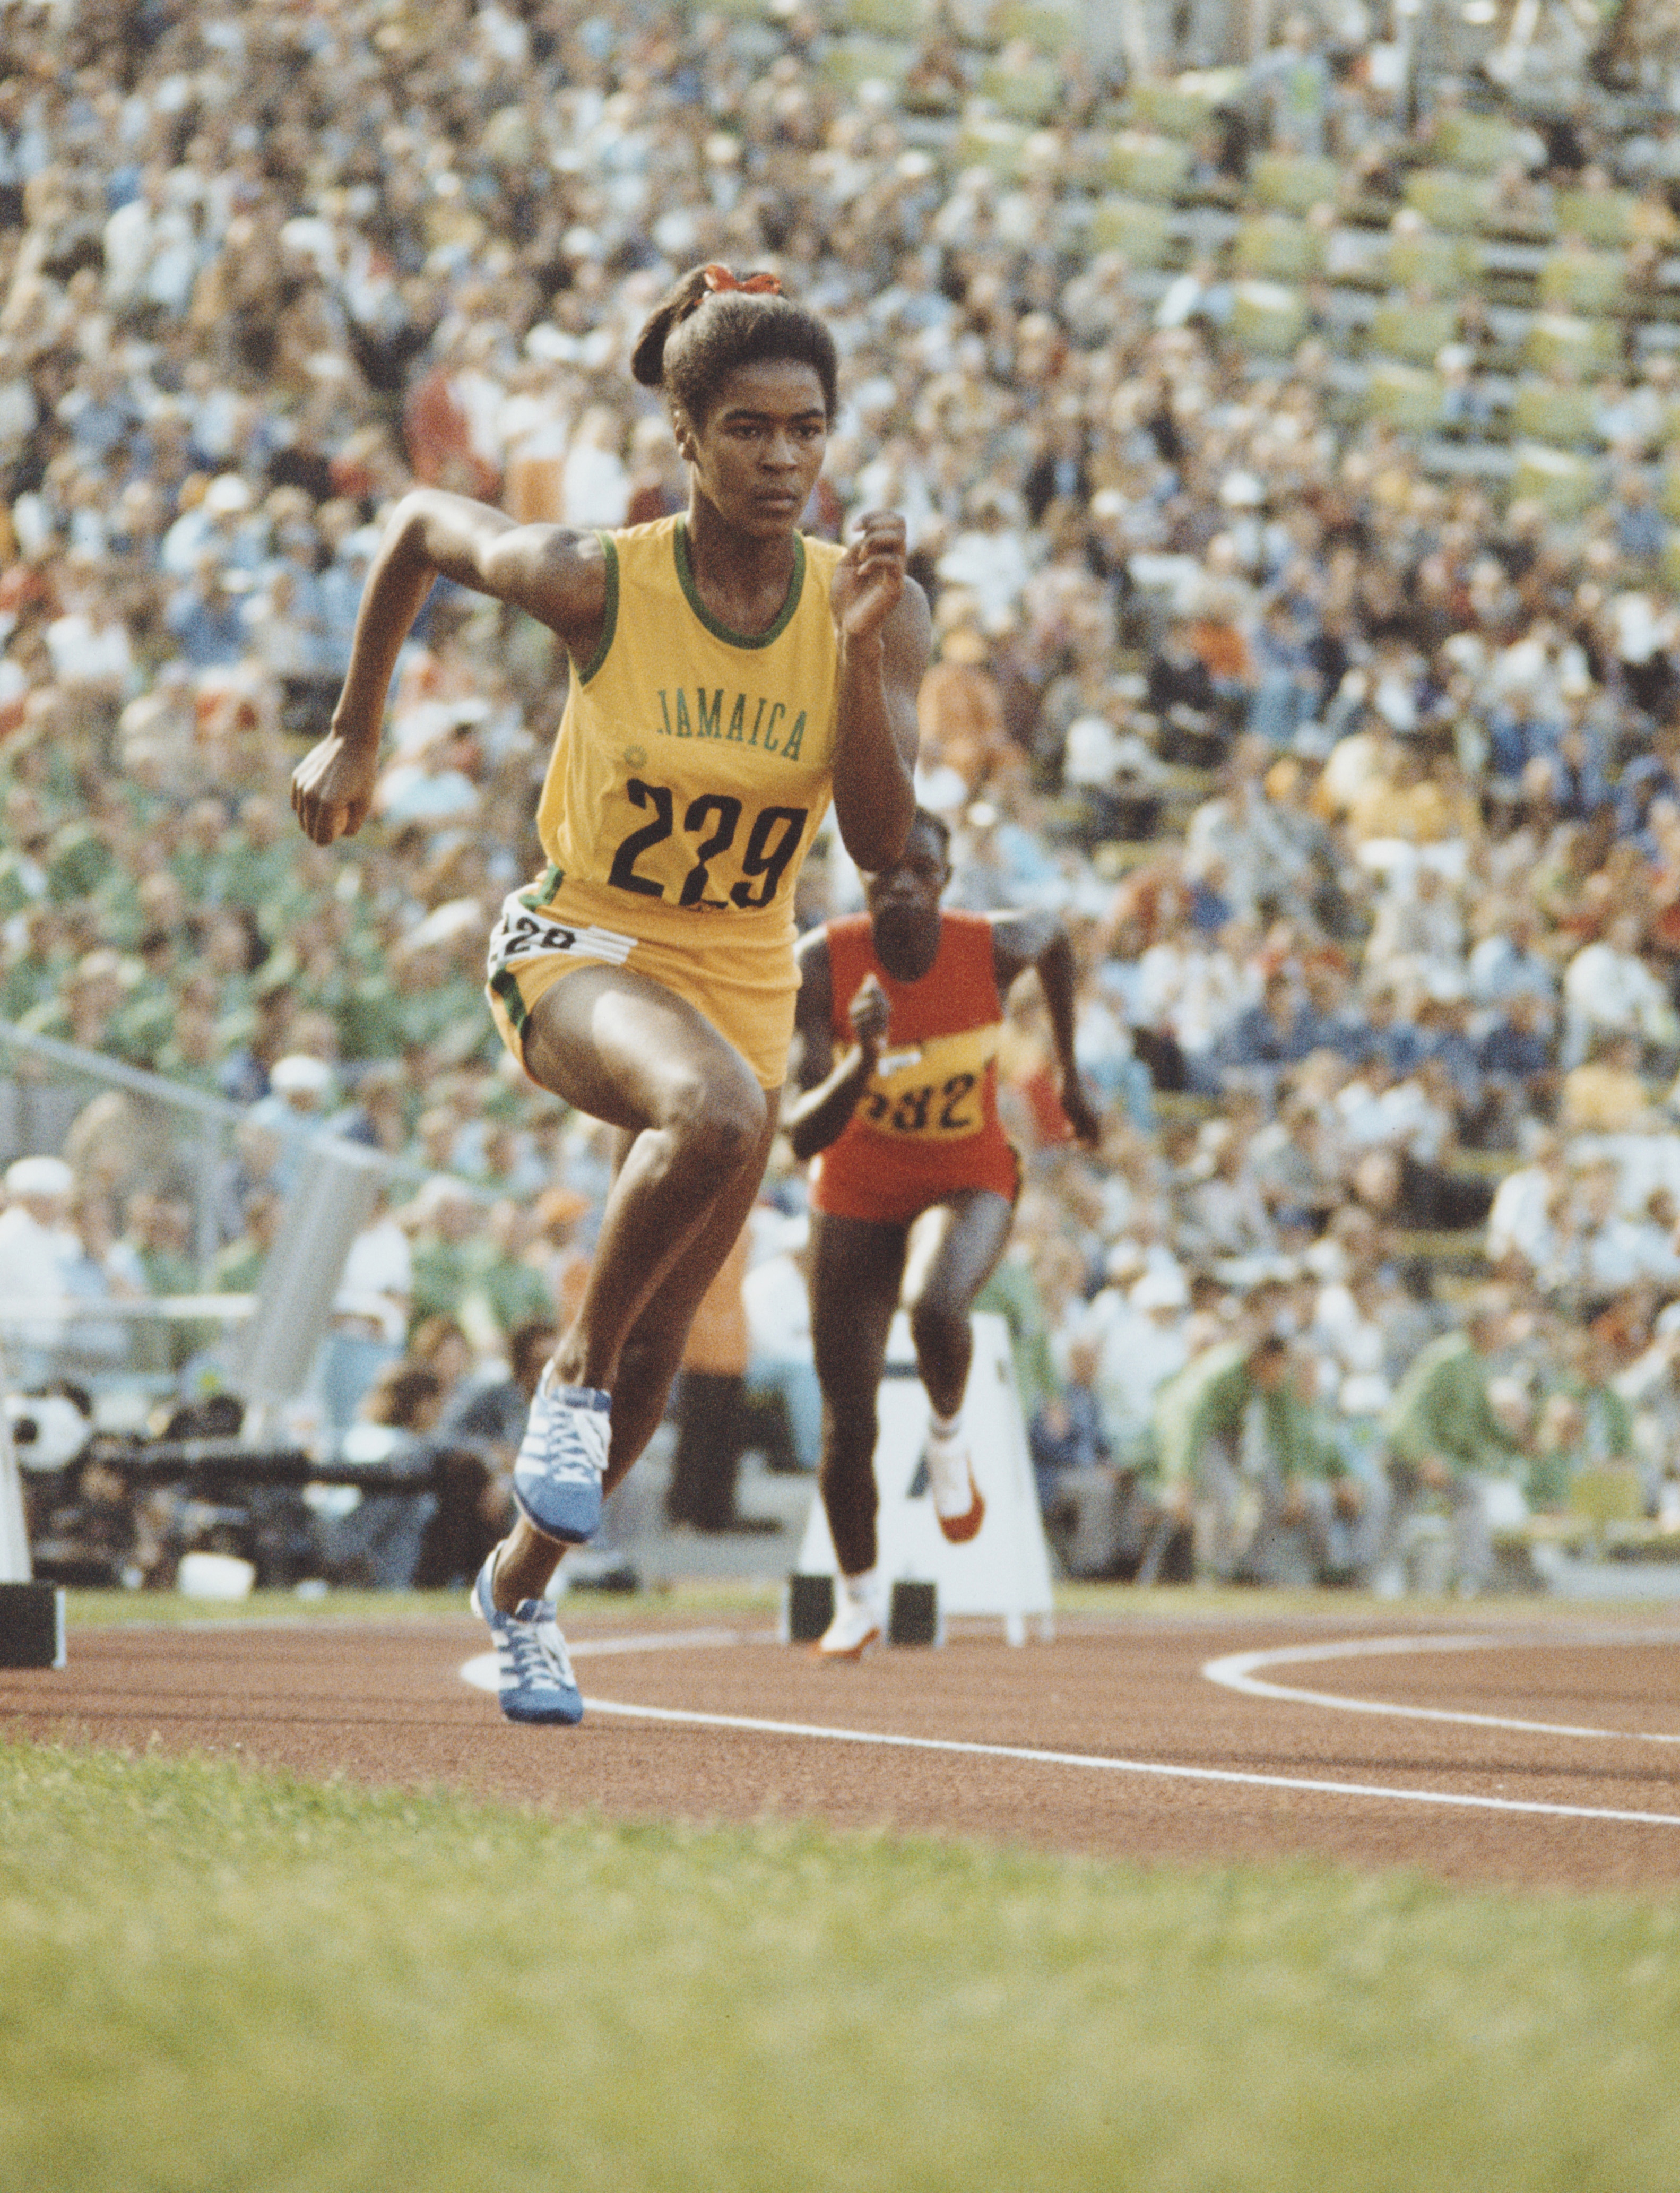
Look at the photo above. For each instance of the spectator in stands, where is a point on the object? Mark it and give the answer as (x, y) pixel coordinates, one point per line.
(1514, 1059)
(295, 1109)
(370, 1312)
(237, 1268)
(478, 1435)
(35, 1246)
(1606, 1093)
(1234, 1421)
(377, 1544)
(1138, 1331)
(1067, 1431)
(1610, 986)
(444, 1222)
(1266, 1037)
(1447, 1442)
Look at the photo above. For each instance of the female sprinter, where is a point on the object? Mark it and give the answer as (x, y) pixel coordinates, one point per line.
(730, 677)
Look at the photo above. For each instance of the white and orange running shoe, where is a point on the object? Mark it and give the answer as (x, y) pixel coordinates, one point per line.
(958, 1506)
(857, 1625)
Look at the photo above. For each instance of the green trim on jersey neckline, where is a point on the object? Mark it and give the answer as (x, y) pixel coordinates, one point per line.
(685, 574)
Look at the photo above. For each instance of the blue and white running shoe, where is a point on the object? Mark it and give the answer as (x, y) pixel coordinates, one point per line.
(562, 1460)
(533, 1674)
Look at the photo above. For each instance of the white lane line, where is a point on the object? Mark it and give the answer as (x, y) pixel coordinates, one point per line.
(1237, 1671)
(1100, 1765)
(480, 1672)
(656, 1641)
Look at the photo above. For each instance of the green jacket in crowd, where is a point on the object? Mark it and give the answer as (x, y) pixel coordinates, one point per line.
(1441, 1408)
(1209, 1398)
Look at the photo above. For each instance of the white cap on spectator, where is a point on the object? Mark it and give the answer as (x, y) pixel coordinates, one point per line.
(1160, 1290)
(298, 1071)
(30, 1177)
(441, 1192)
(1365, 1393)
(227, 492)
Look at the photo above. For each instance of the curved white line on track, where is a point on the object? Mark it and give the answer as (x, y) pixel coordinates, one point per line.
(1237, 1671)
(481, 1671)
(481, 1674)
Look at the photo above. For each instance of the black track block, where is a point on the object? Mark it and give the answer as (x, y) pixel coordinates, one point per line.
(913, 1618)
(810, 1607)
(31, 1625)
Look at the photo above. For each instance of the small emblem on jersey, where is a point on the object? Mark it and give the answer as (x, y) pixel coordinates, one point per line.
(636, 757)
(523, 934)
(894, 1061)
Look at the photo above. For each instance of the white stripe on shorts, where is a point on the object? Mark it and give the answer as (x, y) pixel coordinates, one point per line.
(522, 934)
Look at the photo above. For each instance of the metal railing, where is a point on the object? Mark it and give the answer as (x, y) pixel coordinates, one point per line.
(182, 1144)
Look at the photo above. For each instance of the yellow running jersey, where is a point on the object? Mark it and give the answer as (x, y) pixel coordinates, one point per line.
(692, 766)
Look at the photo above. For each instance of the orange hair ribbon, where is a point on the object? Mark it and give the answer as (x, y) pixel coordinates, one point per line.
(718, 278)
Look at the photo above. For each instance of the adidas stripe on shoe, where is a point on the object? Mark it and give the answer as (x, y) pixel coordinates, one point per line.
(562, 1460)
(534, 1681)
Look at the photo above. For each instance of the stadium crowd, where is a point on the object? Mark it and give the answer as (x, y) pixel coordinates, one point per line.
(1349, 751)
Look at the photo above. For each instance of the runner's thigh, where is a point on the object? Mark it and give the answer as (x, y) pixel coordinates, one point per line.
(955, 1248)
(856, 1268)
(626, 1049)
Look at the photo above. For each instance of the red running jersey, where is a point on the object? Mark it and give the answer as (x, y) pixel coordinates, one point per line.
(926, 1125)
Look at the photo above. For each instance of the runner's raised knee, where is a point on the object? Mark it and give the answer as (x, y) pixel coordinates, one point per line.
(937, 1321)
(719, 1123)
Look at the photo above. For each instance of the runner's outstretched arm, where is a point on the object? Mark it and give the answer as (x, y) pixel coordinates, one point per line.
(881, 617)
(832, 1087)
(1041, 942)
(559, 577)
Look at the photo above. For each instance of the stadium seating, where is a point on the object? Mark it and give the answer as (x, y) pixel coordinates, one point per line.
(1484, 143)
(1051, 29)
(1407, 397)
(1033, 92)
(990, 141)
(1441, 263)
(1273, 248)
(1602, 217)
(1559, 413)
(1149, 166)
(1458, 204)
(1605, 1493)
(1140, 230)
(1267, 317)
(1569, 339)
(1291, 183)
(1563, 484)
(887, 18)
(1181, 106)
(1580, 281)
(1412, 330)
(849, 62)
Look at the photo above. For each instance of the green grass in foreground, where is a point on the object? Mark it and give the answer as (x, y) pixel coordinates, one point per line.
(214, 1978)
